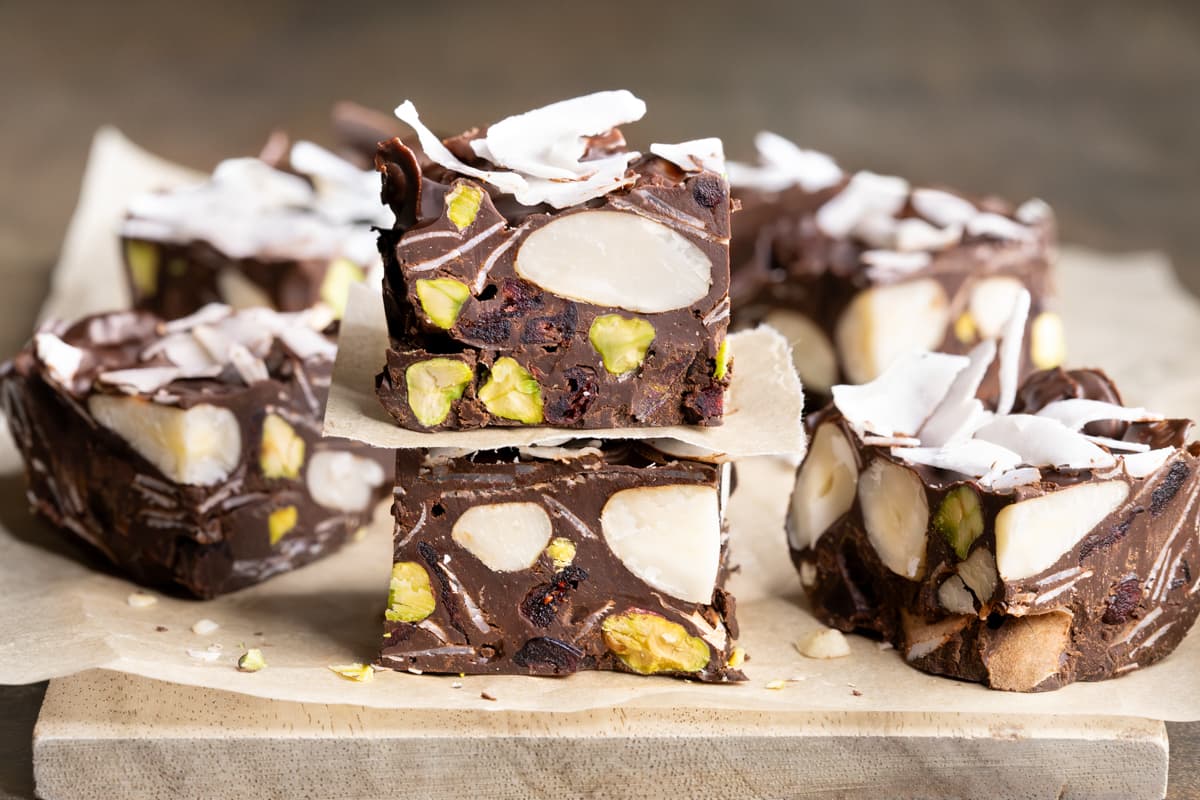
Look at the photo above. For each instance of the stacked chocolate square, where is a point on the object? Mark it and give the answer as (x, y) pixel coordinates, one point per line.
(543, 273)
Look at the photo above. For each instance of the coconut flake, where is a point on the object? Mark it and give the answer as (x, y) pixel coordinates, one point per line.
(943, 208)
(997, 227)
(695, 155)
(1033, 211)
(141, 380)
(549, 142)
(505, 181)
(61, 359)
(1077, 412)
(1007, 480)
(306, 343)
(960, 413)
(1140, 465)
(916, 234)
(891, 262)
(783, 165)
(346, 193)
(973, 457)
(206, 315)
(1044, 442)
(249, 366)
(900, 400)
(1118, 444)
(866, 195)
(1010, 352)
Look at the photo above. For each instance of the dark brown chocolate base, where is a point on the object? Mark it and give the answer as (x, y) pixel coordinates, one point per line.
(548, 618)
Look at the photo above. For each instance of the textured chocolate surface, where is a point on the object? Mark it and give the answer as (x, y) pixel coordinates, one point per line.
(506, 315)
(550, 617)
(1119, 597)
(205, 536)
(783, 260)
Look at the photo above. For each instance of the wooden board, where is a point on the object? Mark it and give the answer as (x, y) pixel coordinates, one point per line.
(107, 735)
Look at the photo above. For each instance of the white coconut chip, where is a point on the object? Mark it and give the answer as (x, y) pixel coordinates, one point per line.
(141, 380)
(1044, 442)
(1012, 337)
(249, 366)
(898, 402)
(695, 155)
(1033, 211)
(1118, 444)
(61, 359)
(1139, 465)
(548, 142)
(1007, 480)
(891, 262)
(943, 208)
(783, 165)
(973, 457)
(998, 227)
(918, 235)
(1077, 412)
(960, 413)
(611, 174)
(866, 195)
(206, 315)
(347, 194)
(505, 181)
(306, 343)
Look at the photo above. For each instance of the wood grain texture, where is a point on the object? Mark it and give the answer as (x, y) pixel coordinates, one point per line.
(105, 735)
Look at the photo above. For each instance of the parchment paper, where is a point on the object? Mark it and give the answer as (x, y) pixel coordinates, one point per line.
(61, 611)
(762, 406)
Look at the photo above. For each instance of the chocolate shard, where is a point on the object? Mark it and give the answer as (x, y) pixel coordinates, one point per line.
(547, 561)
(190, 454)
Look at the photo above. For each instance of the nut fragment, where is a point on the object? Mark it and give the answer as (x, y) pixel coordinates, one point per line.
(812, 352)
(722, 367)
(280, 522)
(141, 600)
(251, 661)
(959, 519)
(954, 596)
(615, 259)
(142, 259)
(885, 322)
(668, 536)
(979, 574)
(896, 515)
(622, 342)
(1034, 534)
(506, 537)
(825, 487)
(343, 481)
(282, 451)
(922, 638)
(648, 643)
(964, 328)
(824, 643)
(561, 552)
(512, 392)
(339, 275)
(410, 595)
(203, 627)
(433, 387)
(359, 673)
(462, 204)
(199, 446)
(442, 299)
(737, 657)
(1047, 341)
(1026, 652)
(991, 304)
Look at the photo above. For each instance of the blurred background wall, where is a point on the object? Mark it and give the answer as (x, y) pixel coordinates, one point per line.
(1094, 106)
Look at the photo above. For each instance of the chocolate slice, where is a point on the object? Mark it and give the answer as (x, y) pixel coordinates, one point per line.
(547, 561)
(284, 235)
(585, 293)
(858, 269)
(189, 453)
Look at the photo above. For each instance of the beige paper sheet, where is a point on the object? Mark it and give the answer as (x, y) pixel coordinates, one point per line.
(62, 612)
(762, 406)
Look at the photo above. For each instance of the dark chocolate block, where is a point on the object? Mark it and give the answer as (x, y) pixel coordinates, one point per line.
(587, 302)
(1055, 544)
(547, 561)
(284, 235)
(859, 269)
(190, 453)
